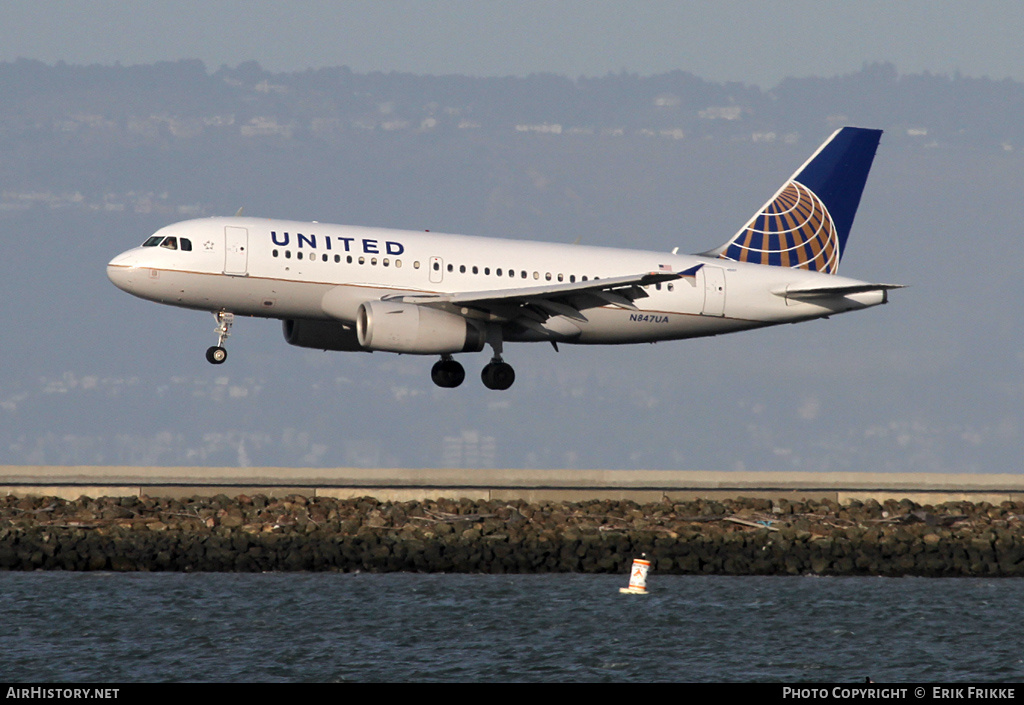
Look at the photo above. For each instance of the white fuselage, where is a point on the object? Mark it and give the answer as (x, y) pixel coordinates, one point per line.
(318, 271)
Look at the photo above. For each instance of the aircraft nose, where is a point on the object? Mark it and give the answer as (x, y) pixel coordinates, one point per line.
(121, 271)
(120, 276)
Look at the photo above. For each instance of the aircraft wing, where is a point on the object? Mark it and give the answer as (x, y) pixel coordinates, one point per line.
(538, 303)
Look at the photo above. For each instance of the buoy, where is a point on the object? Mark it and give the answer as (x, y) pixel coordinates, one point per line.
(637, 577)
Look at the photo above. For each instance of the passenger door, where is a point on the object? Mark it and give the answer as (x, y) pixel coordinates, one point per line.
(236, 251)
(714, 291)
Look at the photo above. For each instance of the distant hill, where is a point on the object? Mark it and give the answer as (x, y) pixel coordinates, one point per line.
(165, 102)
(195, 130)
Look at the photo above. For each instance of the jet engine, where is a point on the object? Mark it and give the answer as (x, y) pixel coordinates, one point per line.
(414, 329)
(322, 335)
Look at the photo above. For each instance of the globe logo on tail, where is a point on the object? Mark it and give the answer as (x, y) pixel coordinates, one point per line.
(794, 229)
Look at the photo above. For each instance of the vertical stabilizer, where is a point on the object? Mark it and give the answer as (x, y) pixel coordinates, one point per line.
(806, 224)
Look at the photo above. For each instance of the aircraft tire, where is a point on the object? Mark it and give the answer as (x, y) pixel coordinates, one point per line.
(216, 355)
(498, 375)
(448, 374)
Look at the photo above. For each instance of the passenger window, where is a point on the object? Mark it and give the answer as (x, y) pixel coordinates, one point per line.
(487, 270)
(298, 255)
(524, 274)
(475, 270)
(462, 269)
(373, 261)
(670, 287)
(171, 243)
(451, 268)
(437, 267)
(536, 275)
(398, 264)
(325, 258)
(362, 260)
(287, 254)
(416, 264)
(337, 258)
(275, 253)
(572, 278)
(497, 272)
(559, 277)
(186, 245)
(385, 262)
(548, 276)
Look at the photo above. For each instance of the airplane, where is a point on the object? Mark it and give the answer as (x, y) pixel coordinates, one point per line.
(349, 288)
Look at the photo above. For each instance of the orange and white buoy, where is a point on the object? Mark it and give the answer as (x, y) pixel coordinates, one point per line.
(637, 577)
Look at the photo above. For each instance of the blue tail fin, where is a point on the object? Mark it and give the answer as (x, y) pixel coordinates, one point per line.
(805, 225)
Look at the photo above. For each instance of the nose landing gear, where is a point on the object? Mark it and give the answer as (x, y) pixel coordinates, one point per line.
(218, 354)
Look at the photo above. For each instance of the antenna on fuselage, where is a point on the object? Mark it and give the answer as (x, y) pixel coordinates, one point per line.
(239, 213)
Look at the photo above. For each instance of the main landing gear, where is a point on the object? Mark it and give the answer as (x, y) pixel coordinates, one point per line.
(497, 374)
(448, 373)
(217, 354)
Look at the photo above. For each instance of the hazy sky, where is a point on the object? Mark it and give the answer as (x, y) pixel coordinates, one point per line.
(728, 40)
(932, 382)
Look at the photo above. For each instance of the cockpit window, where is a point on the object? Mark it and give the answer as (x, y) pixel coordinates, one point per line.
(171, 243)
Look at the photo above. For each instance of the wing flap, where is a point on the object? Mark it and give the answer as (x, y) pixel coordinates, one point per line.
(556, 308)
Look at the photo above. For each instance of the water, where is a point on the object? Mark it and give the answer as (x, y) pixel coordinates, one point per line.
(143, 627)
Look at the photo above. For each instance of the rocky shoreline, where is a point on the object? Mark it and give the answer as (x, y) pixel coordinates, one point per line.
(295, 533)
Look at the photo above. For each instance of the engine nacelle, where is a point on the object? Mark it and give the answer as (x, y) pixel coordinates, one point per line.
(417, 330)
(322, 335)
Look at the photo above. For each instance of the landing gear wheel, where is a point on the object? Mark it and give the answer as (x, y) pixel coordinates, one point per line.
(216, 355)
(498, 375)
(447, 373)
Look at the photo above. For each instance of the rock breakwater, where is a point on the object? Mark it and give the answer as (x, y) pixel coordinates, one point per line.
(295, 533)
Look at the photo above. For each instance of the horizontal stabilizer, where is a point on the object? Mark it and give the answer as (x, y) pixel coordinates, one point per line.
(821, 292)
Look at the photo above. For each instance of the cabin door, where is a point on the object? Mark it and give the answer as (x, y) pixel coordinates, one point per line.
(236, 251)
(714, 291)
